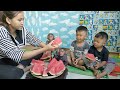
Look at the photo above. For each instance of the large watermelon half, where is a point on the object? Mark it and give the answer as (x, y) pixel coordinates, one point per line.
(37, 69)
(90, 56)
(52, 63)
(60, 67)
(56, 67)
(57, 41)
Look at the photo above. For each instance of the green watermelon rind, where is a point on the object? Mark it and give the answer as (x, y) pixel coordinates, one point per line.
(58, 74)
(51, 72)
(36, 74)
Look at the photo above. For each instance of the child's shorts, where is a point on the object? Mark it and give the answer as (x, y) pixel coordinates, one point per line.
(107, 68)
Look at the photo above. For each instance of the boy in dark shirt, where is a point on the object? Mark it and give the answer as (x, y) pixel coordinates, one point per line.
(101, 53)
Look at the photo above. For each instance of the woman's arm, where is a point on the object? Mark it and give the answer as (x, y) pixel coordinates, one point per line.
(30, 54)
(10, 50)
(42, 44)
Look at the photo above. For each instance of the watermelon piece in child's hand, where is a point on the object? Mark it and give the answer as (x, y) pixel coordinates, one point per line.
(90, 56)
(57, 41)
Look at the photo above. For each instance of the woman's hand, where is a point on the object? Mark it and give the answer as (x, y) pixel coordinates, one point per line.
(50, 47)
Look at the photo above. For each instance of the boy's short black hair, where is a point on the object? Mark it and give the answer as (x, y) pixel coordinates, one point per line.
(82, 28)
(102, 35)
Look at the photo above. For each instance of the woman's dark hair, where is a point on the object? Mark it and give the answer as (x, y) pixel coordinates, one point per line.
(9, 14)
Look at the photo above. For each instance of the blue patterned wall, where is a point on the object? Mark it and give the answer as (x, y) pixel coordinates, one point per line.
(64, 24)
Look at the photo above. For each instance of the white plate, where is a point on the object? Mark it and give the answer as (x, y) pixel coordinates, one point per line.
(48, 77)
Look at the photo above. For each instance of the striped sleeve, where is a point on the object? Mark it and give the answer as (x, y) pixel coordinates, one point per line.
(31, 39)
(8, 49)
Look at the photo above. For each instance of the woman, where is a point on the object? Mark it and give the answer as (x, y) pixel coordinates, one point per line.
(13, 36)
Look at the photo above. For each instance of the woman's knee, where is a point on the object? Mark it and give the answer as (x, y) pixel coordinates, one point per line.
(10, 72)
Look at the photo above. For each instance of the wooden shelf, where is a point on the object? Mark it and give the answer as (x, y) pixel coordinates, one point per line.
(114, 54)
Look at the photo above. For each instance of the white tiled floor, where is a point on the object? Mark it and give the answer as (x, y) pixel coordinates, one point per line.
(70, 76)
(78, 76)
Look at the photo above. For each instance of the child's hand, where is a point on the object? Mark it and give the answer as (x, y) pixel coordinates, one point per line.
(76, 61)
(73, 59)
(97, 66)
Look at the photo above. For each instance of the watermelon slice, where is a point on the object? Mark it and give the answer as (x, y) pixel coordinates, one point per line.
(52, 63)
(37, 69)
(57, 41)
(57, 68)
(90, 57)
(46, 55)
(52, 71)
(44, 73)
(60, 67)
(37, 61)
(40, 68)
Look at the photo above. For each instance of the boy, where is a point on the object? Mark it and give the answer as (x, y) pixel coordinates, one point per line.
(79, 47)
(101, 53)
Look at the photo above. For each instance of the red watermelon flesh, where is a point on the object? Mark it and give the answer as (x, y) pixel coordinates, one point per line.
(57, 68)
(90, 56)
(57, 41)
(60, 67)
(53, 68)
(52, 63)
(46, 55)
(37, 61)
(37, 69)
(52, 71)
(45, 73)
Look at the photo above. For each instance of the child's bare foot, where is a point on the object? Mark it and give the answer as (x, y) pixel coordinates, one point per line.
(81, 67)
(98, 76)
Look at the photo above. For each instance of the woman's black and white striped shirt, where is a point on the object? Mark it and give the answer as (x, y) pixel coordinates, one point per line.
(8, 47)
